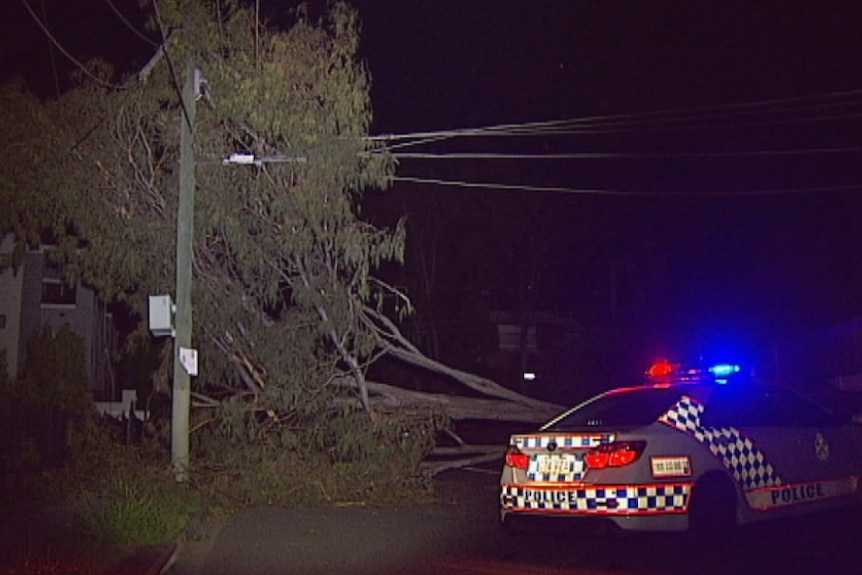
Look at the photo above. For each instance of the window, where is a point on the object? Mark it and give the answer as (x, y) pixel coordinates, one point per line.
(764, 407)
(58, 292)
(633, 407)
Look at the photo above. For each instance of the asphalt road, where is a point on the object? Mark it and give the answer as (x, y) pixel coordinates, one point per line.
(459, 534)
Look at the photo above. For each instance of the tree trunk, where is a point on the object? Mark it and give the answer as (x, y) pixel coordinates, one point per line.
(386, 397)
(391, 341)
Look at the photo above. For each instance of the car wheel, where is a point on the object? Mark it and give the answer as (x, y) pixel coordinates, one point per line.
(508, 521)
(713, 505)
(512, 524)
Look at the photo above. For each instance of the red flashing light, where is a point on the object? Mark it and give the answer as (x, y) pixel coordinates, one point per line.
(665, 372)
(662, 368)
(617, 454)
(515, 458)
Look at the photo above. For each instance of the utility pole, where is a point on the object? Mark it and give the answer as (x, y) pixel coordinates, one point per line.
(185, 240)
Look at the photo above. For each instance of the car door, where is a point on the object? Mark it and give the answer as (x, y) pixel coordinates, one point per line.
(835, 440)
(762, 426)
(802, 453)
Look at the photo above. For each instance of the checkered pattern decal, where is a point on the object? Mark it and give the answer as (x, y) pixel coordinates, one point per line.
(617, 500)
(570, 467)
(738, 454)
(562, 441)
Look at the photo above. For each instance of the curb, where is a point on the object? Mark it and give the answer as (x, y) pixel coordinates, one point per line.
(151, 560)
(165, 561)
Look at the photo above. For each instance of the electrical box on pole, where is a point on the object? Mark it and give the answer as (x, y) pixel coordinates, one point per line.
(161, 315)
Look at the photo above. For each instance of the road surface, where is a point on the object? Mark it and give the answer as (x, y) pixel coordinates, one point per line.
(459, 534)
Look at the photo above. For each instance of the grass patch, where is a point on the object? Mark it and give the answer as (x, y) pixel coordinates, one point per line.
(119, 496)
(111, 498)
(132, 515)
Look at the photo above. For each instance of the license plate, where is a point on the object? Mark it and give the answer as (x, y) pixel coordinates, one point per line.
(558, 464)
(671, 466)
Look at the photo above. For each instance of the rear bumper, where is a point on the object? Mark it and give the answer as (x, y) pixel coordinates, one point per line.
(594, 524)
(523, 521)
(649, 507)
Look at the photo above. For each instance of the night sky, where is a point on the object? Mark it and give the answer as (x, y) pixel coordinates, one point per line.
(701, 269)
(694, 263)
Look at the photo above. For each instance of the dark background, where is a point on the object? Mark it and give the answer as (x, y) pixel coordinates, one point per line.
(699, 269)
(687, 262)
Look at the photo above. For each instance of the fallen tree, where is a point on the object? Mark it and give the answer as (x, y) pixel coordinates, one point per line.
(287, 312)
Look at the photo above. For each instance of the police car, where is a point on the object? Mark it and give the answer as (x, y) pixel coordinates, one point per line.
(690, 450)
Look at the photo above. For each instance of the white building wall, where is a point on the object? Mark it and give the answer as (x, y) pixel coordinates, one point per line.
(10, 310)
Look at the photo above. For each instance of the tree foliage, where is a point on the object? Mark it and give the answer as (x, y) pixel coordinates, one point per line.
(282, 262)
(287, 309)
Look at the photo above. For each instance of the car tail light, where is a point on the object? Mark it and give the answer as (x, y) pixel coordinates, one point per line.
(616, 454)
(515, 458)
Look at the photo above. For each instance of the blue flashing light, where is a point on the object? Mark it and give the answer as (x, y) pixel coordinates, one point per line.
(722, 370)
(666, 372)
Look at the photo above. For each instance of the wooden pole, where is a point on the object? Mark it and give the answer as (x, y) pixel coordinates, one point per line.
(185, 241)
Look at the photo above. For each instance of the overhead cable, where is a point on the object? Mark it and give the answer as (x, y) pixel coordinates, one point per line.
(71, 58)
(174, 80)
(594, 124)
(131, 26)
(616, 155)
(601, 192)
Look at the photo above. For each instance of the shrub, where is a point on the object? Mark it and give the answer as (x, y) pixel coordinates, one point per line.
(4, 375)
(54, 374)
(42, 407)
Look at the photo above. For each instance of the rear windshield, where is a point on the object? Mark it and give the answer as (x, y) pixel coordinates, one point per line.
(624, 408)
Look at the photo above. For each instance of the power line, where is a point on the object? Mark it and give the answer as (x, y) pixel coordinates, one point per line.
(174, 80)
(584, 125)
(579, 131)
(71, 58)
(575, 129)
(51, 53)
(600, 192)
(615, 155)
(660, 118)
(591, 124)
(656, 126)
(524, 187)
(131, 26)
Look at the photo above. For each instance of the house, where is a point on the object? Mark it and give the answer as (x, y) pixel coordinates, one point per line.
(35, 294)
(537, 348)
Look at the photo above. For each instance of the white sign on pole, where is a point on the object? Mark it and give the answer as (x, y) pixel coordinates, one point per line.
(189, 360)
